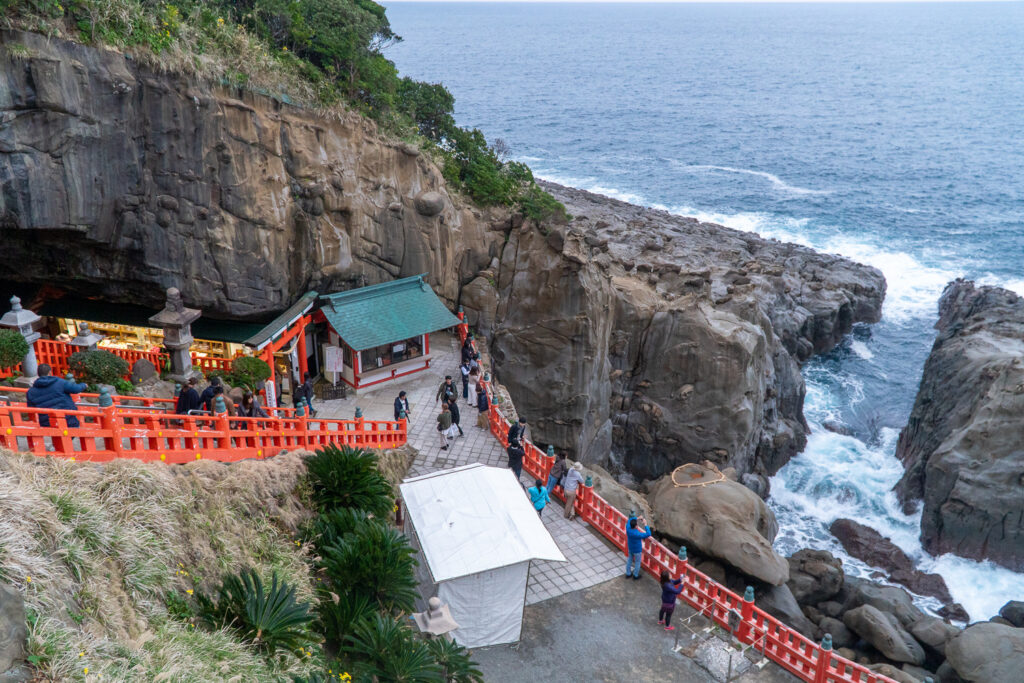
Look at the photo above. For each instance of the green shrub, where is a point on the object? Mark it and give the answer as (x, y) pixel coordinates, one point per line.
(329, 527)
(376, 561)
(123, 386)
(97, 367)
(339, 614)
(270, 619)
(455, 662)
(248, 372)
(537, 204)
(348, 478)
(13, 348)
(383, 649)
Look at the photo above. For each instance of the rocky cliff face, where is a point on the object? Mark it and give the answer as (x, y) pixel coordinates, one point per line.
(631, 337)
(650, 340)
(120, 182)
(961, 447)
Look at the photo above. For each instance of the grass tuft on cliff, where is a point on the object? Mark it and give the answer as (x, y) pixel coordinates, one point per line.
(322, 53)
(108, 558)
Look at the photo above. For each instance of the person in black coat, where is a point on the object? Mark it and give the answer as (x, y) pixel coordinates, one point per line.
(453, 407)
(515, 458)
(402, 404)
(516, 431)
(206, 398)
(483, 405)
(467, 349)
(189, 398)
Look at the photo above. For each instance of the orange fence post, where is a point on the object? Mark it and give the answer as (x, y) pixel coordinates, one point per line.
(746, 614)
(824, 659)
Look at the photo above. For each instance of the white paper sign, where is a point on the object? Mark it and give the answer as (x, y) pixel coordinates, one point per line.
(333, 359)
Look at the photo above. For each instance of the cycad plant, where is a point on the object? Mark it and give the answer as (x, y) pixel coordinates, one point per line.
(344, 477)
(382, 649)
(376, 561)
(269, 618)
(329, 527)
(339, 614)
(456, 665)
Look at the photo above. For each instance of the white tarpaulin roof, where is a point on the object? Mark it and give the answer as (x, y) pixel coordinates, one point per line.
(473, 519)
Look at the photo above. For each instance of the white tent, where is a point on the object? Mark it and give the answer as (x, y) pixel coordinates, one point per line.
(475, 532)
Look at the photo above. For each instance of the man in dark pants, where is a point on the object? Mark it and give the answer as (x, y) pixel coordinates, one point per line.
(402, 405)
(453, 407)
(515, 459)
(446, 391)
(465, 369)
(189, 398)
(516, 431)
(207, 396)
(305, 391)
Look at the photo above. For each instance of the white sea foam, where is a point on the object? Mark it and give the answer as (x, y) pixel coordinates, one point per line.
(1012, 284)
(776, 182)
(861, 349)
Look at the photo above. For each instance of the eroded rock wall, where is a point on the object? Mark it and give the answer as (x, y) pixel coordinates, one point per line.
(119, 182)
(643, 340)
(962, 446)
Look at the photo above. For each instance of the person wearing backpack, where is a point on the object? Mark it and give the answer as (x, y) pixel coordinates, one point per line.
(446, 391)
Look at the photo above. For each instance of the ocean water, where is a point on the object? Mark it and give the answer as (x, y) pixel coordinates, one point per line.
(889, 133)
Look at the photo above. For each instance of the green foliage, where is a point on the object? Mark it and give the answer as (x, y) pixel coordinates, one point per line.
(13, 348)
(537, 204)
(270, 619)
(123, 386)
(97, 367)
(376, 561)
(386, 650)
(178, 606)
(248, 372)
(455, 662)
(329, 527)
(339, 614)
(348, 478)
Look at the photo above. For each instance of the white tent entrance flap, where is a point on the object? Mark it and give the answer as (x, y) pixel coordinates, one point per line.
(475, 533)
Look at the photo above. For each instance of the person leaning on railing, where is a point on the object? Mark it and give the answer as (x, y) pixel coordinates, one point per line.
(53, 392)
(188, 399)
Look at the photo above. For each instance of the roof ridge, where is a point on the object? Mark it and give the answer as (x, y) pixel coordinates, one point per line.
(371, 291)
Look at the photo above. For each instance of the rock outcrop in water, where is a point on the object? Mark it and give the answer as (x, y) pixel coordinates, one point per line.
(631, 337)
(119, 181)
(650, 340)
(962, 446)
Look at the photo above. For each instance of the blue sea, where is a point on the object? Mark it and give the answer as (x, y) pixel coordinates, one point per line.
(889, 133)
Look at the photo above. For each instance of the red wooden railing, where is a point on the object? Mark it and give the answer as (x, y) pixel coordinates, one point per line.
(798, 655)
(212, 365)
(118, 431)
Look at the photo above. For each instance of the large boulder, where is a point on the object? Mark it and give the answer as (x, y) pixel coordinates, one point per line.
(885, 634)
(1013, 612)
(779, 602)
(889, 599)
(961, 447)
(617, 495)
(429, 203)
(814, 576)
(479, 300)
(143, 370)
(13, 628)
(933, 633)
(988, 653)
(841, 636)
(725, 520)
(868, 545)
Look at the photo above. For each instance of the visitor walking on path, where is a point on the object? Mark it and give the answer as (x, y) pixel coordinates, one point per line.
(538, 496)
(464, 370)
(402, 404)
(53, 392)
(188, 399)
(444, 425)
(635, 536)
(446, 392)
(670, 588)
(467, 348)
(305, 391)
(558, 470)
(207, 396)
(515, 459)
(571, 486)
(453, 408)
(483, 405)
(517, 431)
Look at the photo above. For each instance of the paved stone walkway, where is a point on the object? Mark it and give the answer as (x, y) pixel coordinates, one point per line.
(591, 560)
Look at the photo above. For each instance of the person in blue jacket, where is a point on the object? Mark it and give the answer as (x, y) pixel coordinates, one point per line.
(53, 392)
(538, 496)
(635, 545)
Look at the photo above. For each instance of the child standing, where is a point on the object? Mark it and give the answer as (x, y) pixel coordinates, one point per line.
(538, 496)
(670, 588)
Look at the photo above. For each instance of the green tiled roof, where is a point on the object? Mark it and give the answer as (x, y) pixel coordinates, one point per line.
(388, 312)
(281, 322)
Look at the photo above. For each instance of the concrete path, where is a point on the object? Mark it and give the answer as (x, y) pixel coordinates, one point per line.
(591, 560)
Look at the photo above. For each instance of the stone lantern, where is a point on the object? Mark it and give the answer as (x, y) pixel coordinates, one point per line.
(21, 320)
(176, 321)
(86, 339)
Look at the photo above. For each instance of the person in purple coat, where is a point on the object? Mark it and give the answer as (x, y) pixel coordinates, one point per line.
(670, 589)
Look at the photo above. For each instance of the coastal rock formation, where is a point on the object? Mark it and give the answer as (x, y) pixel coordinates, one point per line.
(988, 653)
(868, 545)
(648, 340)
(961, 447)
(726, 521)
(884, 633)
(632, 338)
(119, 181)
